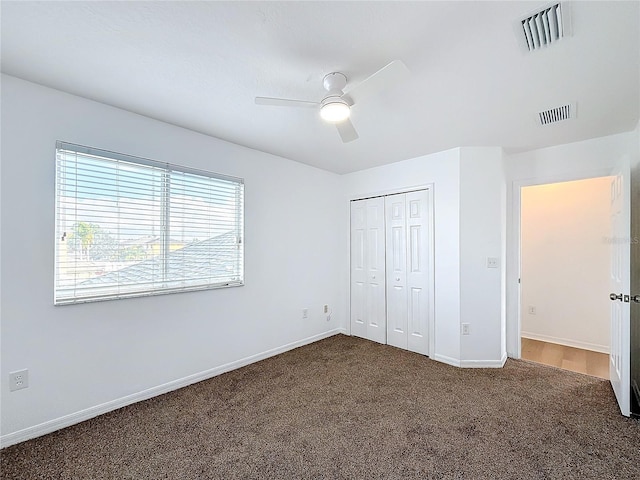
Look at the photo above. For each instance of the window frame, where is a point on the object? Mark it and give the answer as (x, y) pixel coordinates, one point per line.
(167, 170)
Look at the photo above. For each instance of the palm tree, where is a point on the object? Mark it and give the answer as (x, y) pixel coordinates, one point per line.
(86, 233)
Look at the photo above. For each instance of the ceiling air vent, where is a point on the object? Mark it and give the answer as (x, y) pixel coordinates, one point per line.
(557, 114)
(544, 26)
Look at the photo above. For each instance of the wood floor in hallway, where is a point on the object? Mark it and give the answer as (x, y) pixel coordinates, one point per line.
(568, 358)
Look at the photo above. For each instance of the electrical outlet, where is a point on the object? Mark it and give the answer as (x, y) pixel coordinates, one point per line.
(531, 310)
(466, 329)
(18, 380)
(492, 262)
(305, 313)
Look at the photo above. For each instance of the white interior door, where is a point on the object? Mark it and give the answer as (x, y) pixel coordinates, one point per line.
(368, 306)
(619, 367)
(391, 270)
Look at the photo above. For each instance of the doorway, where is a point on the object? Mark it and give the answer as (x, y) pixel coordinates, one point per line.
(564, 276)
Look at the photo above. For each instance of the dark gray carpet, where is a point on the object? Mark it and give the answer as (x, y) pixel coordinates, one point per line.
(348, 408)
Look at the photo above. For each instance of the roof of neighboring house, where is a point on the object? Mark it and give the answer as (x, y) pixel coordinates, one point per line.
(212, 258)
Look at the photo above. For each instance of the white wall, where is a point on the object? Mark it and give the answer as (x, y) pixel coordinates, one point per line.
(482, 197)
(89, 358)
(575, 161)
(441, 170)
(565, 263)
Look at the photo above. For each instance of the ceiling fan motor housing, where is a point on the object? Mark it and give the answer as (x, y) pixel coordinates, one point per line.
(334, 81)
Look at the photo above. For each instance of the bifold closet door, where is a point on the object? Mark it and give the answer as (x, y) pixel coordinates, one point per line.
(407, 266)
(368, 310)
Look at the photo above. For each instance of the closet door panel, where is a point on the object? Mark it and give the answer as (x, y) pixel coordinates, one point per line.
(396, 253)
(368, 306)
(375, 263)
(418, 268)
(358, 268)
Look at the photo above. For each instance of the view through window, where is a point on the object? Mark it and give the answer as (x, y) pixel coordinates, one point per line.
(127, 226)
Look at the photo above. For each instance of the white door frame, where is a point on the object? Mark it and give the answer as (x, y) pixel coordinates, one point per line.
(514, 257)
(381, 193)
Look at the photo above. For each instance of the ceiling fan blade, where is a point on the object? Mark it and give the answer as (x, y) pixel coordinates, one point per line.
(386, 77)
(347, 131)
(285, 102)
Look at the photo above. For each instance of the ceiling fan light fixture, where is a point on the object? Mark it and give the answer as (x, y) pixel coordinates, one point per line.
(335, 107)
(335, 111)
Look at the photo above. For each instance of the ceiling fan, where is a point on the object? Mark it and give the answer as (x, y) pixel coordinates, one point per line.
(336, 105)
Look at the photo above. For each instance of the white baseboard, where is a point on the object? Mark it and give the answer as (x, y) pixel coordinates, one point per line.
(471, 363)
(566, 342)
(455, 362)
(484, 363)
(448, 360)
(88, 413)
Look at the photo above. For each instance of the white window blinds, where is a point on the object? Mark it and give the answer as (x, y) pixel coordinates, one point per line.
(127, 226)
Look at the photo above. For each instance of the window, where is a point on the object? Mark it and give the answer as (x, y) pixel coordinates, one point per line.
(128, 226)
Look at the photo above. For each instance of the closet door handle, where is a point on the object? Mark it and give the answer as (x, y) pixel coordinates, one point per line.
(635, 298)
(615, 297)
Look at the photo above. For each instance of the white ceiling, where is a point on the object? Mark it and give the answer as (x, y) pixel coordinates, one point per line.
(200, 65)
